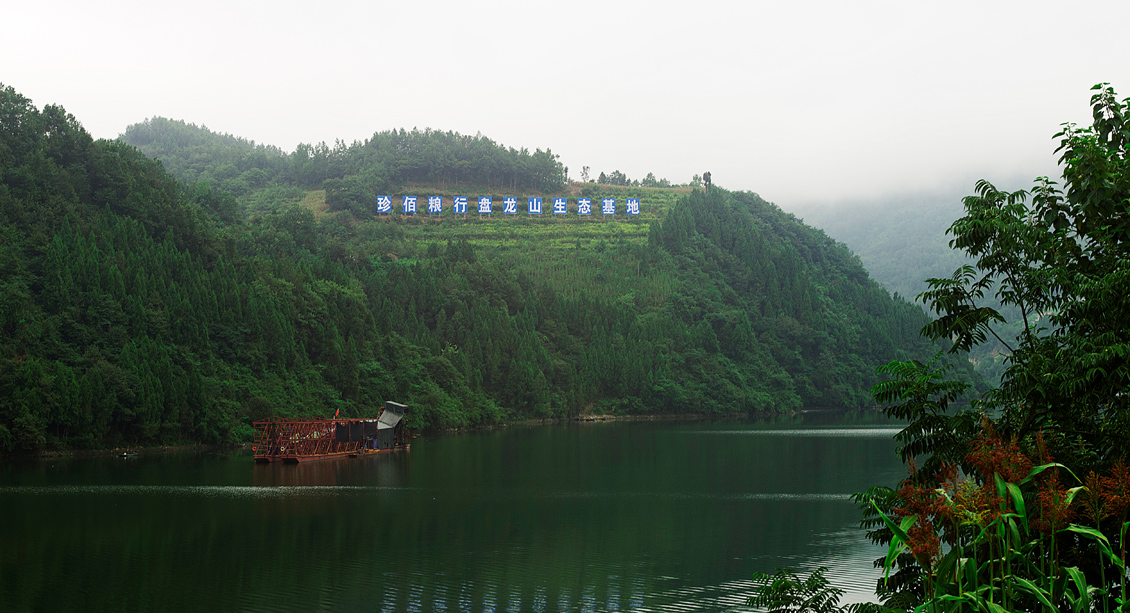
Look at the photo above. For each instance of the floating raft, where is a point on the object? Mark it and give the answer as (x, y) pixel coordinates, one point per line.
(307, 439)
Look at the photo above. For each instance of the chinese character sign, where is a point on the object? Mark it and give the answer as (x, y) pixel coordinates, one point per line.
(409, 205)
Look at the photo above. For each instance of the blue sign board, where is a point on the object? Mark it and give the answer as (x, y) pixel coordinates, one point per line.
(509, 205)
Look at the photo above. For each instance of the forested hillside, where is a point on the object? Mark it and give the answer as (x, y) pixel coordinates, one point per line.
(139, 309)
(394, 157)
(902, 242)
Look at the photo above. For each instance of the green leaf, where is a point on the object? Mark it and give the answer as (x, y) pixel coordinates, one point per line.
(893, 550)
(947, 564)
(1041, 468)
(1083, 600)
(898, 541)
(898, 530)
(1035, 590)
(1099, 538)
(1000, 488)
(1087, 532)
(1014, 534)
(1018, 502)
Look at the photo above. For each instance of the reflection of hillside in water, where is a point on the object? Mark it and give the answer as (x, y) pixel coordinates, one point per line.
(644, 516)
(388, 470)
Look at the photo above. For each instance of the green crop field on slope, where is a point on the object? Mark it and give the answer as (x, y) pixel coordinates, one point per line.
(571, 253)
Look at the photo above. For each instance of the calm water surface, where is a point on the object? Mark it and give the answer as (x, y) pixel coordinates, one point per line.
(592, 517)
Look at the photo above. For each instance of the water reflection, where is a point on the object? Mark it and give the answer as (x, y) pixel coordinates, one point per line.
(606, 517)
(883, 433)
(387, 470)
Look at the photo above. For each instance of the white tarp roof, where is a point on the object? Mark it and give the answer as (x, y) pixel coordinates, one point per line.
(391, 416)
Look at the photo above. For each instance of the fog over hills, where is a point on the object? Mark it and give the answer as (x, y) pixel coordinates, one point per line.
(902, 241)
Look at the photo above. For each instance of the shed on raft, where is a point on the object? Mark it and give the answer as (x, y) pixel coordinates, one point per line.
(291, 441)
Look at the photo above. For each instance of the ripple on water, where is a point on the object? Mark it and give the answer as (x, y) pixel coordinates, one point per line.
(290, 491)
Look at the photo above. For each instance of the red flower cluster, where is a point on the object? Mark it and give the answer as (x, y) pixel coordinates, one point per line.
(1116, 488)
(924, 503)
(943, 504)
(1096, 503)
(991, 455)
(1053, 510)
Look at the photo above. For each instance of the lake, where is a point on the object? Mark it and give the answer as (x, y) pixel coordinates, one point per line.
(621, 516)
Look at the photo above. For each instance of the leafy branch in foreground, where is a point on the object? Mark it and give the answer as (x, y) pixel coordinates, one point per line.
(785, 592)
(921, 395)
(980, 528)
(1061, 258)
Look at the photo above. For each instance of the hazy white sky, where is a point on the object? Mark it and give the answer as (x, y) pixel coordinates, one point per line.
(802, 102)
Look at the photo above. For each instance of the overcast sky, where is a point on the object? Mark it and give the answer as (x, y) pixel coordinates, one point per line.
(802, 102)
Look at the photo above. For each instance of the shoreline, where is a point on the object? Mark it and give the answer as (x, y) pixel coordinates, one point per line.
(579, 419)
(54, 454)
(593, 418)
(51, 454)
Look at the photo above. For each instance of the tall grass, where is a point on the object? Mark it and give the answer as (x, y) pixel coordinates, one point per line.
(995, 541)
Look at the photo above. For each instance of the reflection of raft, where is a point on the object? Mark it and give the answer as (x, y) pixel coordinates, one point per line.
(303, 440)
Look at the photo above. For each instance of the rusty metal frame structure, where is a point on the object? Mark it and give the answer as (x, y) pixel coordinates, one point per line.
(302, 440)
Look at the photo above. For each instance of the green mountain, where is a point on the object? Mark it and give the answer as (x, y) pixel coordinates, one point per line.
(136, 308)
(902, 242)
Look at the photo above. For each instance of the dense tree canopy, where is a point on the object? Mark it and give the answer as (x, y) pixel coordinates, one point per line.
(383, 162)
